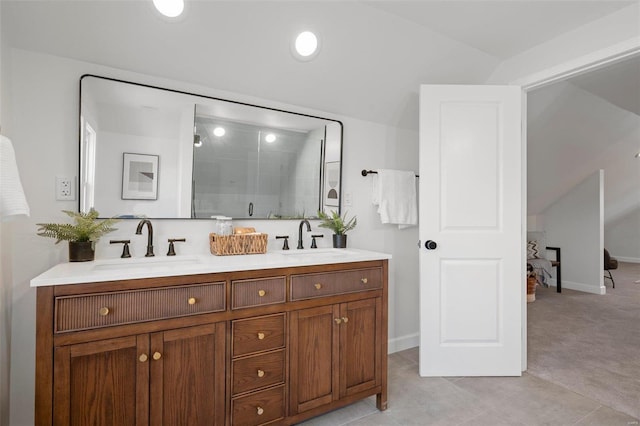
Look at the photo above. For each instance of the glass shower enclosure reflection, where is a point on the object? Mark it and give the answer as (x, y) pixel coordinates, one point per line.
(248, 170)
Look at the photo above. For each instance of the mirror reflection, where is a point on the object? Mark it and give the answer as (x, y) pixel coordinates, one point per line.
(159, 153)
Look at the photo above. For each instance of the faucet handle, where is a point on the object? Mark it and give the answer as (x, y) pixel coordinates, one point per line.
(125, 249)
(172, 249)
(285, 246)
(313, 240)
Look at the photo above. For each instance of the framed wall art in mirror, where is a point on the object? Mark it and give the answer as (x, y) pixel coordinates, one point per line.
(216, 156)
(139, 176)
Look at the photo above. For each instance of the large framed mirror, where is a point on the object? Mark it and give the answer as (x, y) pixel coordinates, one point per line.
(153, 152)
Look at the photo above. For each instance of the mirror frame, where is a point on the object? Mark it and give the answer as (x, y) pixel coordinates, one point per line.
(182, 92)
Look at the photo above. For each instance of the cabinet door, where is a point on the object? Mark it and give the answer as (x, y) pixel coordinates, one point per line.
(102, 383)
(188, 376)
(360, 348)
(313, 357)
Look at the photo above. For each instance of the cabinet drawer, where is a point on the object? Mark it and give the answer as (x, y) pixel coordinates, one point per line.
(257, 334)
(309, 286)
(258, 408)
(258, 371)
(250, 293)
(125, 307)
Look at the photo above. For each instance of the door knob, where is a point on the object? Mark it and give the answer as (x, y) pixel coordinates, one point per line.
(430, 245)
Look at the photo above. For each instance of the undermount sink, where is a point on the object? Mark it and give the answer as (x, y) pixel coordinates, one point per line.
(160, 262)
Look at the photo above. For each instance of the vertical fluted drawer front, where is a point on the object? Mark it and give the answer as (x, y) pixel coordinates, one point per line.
(309, 286)
(124, 307)
(258, 292)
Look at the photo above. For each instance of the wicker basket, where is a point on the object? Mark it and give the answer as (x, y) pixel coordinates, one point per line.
(225, 245)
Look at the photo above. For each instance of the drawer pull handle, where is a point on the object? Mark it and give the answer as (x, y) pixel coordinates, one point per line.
(260, 411)
(192, 300)
(104, 311)
(143, 358)
(260, 336)
(345, 320)
(157, 355)
(364, 280)
(338, 320)
(261, 293)
(318, 286)
(260, 373)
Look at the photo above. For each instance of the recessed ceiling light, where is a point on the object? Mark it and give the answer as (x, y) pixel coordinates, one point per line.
(306, 46)
(270, 138)
(219, 131)
(169, 8)
(638, 155)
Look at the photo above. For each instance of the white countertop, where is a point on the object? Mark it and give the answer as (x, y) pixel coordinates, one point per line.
(163, 266)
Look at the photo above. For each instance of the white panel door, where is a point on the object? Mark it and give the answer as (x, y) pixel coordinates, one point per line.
(472, 281)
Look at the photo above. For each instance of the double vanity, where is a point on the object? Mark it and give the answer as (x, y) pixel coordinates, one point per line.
(272, 338)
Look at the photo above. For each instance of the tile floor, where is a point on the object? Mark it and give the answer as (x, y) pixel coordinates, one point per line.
(491, 401)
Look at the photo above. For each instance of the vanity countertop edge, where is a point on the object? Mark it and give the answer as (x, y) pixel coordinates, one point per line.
(161, 266)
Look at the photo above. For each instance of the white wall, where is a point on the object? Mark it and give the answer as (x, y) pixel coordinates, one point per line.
(5, 248)
(575, 224)
(622, 237)
(46, 87)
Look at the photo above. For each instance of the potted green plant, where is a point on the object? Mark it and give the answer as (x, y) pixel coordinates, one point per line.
(82, 235)
(340, 225)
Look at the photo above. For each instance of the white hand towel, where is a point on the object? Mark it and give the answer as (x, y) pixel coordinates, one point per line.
(12, 199)
(394, 192)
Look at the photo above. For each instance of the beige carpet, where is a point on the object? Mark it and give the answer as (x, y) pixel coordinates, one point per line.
(589, 343)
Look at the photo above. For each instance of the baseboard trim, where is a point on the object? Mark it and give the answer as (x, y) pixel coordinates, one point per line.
(627, 259)
(586, 288)
(401, 343)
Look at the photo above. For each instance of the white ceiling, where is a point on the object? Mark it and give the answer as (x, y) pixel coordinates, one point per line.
(618, 84)
(374, 55)
(500, 28)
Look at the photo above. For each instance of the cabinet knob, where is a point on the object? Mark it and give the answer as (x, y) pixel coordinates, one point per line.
(338, 320)
(260, 373)
(260, 336)
(192, 300)
(345, 320)
(157, 355)
(104, 311)
(143, 358)
(318, 286)
(261, 293)
(260, 411)
(364, 280)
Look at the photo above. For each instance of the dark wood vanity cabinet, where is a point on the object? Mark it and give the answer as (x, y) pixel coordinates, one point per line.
(336, 350)
(244, 348)
(166, 377)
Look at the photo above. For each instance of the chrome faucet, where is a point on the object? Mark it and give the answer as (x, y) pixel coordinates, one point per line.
(149, 235)
(302, 222)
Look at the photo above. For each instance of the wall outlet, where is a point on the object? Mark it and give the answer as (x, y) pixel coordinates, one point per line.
(65, 188)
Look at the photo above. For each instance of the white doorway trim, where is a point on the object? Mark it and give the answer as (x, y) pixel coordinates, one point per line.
(560, 72)
(590, 62)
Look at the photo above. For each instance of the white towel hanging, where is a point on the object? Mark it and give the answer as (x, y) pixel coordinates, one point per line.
(12, 199)
(394, 192)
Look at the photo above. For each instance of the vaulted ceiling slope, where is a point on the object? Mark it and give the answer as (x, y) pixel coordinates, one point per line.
(571, 134)
(374, 55)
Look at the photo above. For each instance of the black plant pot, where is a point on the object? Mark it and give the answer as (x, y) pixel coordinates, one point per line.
(81, 251)
(339, 240)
